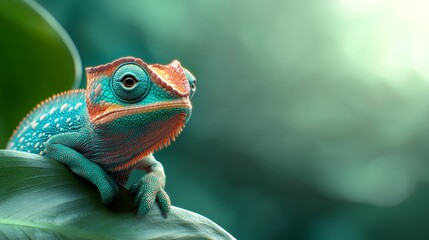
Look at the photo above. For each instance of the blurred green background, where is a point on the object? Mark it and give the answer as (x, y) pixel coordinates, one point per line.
(310, 117)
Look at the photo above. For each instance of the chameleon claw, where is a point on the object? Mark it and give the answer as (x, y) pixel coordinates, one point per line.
(148, 190)
(163, 201)
(107, 187)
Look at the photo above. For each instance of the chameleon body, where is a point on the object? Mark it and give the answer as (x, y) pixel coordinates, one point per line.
(128, 110)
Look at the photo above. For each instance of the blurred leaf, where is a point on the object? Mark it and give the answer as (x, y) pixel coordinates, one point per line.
(42, 199)
(38, 60)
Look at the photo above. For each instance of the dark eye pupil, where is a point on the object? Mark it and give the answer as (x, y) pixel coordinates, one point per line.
(129, 81)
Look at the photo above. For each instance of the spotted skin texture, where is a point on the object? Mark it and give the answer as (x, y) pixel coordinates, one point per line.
(64, 113)
(128, 110)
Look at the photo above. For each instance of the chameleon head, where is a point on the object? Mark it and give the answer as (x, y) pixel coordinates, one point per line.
(133, 99)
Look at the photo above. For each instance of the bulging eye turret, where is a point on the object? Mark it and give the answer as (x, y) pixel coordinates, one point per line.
(192, 82)
(130, 82)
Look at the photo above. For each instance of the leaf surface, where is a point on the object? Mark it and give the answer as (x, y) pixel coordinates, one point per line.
(41, 199)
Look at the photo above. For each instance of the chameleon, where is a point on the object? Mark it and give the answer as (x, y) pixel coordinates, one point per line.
(129, 110)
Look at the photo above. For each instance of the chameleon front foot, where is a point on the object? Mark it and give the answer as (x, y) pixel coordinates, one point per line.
(106, 185)
(148, 189)
(62, 148)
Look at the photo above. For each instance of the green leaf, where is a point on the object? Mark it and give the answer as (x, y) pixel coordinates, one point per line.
(41, 199)
(38, 59)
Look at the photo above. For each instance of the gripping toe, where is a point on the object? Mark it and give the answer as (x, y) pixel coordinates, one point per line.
(148, 189)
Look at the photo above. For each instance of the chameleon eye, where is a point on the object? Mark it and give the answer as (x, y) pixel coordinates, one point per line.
(193, 86)
(192, 82)
(130, 82)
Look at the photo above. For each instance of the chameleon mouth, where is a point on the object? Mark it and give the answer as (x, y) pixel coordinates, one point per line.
(117, 112)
